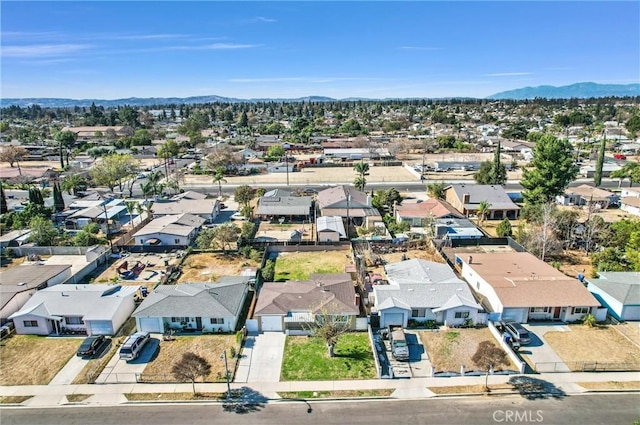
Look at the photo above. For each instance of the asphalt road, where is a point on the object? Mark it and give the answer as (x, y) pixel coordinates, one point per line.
(592, 409)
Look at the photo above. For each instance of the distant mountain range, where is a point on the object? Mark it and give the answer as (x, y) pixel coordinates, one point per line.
(578, 90)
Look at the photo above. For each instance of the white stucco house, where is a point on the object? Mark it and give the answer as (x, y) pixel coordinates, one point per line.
(619, 291)
(176, 230)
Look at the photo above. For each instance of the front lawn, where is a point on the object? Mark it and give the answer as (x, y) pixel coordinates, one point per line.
(307, 359)
(34, 360)
(300, 265)
(208, 346)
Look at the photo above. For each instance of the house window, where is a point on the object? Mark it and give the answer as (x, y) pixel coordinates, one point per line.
(176, 241)
(179, 319)
(539, 309)
(580, 310)
(462, 315)
(418, 312)
(73, 320)
(30, 323)
(217, 321)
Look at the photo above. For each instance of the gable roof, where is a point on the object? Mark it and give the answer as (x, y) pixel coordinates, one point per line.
(180, 225)
(622, 286)
(338, 194)
(223, 298)
(419, 271)
(520, 279)
(494, 194)
(331, 224)
(430, 208)
(284, 205)
(191, 206)
(190, 195)
(586, 191)
(333, 292)
(91, 302)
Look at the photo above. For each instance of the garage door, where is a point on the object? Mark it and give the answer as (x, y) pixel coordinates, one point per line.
(271, 323)
(392, 319)
(100, 327)
(632, 313)
(150, 324)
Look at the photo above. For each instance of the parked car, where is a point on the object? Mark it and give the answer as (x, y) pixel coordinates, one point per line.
(7, 329)
(132, 347)
(308, 191)
(516, 331)
(399, 347)
(619, 156)
(90, 346)
(238, 216)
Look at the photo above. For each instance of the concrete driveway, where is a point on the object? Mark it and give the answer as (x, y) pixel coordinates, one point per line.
(261, 359)
(540, 352)
(120, 371)
(75, 365)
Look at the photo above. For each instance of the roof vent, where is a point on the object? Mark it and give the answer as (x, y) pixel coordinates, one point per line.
(22, 283)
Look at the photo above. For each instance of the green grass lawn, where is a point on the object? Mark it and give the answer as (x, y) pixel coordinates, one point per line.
(307, 359)
(300, 265)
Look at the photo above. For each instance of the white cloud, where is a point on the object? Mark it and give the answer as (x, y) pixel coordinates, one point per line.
(507, 74)
(40, 50)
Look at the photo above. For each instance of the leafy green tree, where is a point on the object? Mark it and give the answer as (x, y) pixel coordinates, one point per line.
(220, 237)
(633, 125)
(244, 120)
(243, 194)
(88, 236)
(275, 151)
(551, 171)
(73, 183)
(42, 232)
(113, 170)
(35, 196)
(362, 170)
(492, 172)
(268, 272)
(504, 228)
(384, 200)
(610, 259)
(436, 190)
(630, 170)
(66, 140)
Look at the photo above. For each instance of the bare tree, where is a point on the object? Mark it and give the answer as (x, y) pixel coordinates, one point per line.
(12, 155)
(190, 368)
(329, 327)
(488, 356)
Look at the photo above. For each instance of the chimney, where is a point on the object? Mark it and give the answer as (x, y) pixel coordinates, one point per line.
(465, 198)
(357, 300)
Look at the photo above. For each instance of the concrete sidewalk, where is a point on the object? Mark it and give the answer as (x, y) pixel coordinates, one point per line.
(416, 388)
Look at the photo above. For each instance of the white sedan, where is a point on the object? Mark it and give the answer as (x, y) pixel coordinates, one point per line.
(238, 216)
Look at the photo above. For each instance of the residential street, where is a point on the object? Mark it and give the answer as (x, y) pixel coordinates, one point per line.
(579, 409)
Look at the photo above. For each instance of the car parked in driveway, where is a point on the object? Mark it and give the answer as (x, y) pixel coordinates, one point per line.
(516, 331)
(238, 216)
(90, 346)
(132, 347)
(7, 329)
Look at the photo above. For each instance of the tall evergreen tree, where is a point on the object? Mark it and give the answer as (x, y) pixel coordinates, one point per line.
(58, 200)
(3, 201)
(597, 177)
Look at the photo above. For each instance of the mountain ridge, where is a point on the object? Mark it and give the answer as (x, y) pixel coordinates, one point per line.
(577, 90)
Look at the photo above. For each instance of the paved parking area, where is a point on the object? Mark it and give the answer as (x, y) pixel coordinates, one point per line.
(540, 351)
(75, 365)
(121, 371)
(261, 359)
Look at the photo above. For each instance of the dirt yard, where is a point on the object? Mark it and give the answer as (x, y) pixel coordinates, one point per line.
(449, 349)
(282, 232)
(208, 346)
(34, 360)
(427, 253)
(600, 344)
(300, 265)
(574, 262)
(208, 267)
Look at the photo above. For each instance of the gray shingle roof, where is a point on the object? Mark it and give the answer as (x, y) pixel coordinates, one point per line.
(419, 271)
(221, 299)
(181, 225)
(622, 286)
(284, 205)
(494, 194)
(338, 194)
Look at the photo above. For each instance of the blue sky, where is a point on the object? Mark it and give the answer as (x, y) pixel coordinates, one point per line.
(380, 49)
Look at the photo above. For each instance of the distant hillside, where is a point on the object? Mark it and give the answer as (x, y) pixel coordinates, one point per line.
(55, 102)
(578, 90)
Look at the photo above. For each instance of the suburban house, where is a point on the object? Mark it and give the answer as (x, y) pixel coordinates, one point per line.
(630, 201)
(455, 228)
(14, 238)
(177, 230)
(189, 194)
(356, 154)
(466, 199)
(207, 209)
(519, 286)
(115, 209)
(589, 171)
(95, 309)
(201, 307)
(417, 213)
(587, 195)
(295, 305)
(17, 284)
(347, 202)
(423, 290)
(274, 206)
(330, 229)
(619, 292)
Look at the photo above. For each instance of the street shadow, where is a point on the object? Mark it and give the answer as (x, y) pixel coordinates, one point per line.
(244, 400)
(536, 389)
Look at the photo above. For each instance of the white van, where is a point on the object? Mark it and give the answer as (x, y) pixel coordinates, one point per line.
(132, 347)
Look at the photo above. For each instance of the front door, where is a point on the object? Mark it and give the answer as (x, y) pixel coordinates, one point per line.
(199, 323)
(556, 313)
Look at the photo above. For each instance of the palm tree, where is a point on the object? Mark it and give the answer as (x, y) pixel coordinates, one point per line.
(154, 178)
(436, 190)
(72, 184)
(147, 189)
(218, 177)
(148, 208)
(362, 168)
(131, 207)
(483, 210)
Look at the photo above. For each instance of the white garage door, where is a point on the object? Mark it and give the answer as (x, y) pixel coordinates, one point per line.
(271, 323)
(150, 324)
(392, 319)
(632, 313)
(100, 327)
